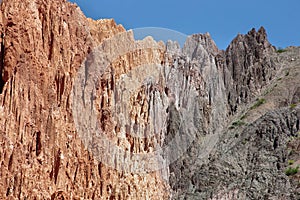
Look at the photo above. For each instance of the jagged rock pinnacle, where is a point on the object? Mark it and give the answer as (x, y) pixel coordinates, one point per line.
(171, 123)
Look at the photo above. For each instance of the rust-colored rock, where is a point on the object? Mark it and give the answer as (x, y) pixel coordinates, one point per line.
(41, 155)
(84, 108)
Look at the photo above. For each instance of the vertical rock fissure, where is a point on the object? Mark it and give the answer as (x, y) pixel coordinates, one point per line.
(56, 166)
(38, 143)
(2, 82)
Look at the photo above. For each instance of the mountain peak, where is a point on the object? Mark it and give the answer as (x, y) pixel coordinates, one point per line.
(87, 112)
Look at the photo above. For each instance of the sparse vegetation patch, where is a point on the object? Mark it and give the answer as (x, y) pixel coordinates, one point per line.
(290, 162)
(291, 171)
(236, 124)
(287, 73)
(281, 50)
(258, 103)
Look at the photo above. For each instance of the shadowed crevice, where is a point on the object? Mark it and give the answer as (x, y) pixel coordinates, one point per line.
(2, 82)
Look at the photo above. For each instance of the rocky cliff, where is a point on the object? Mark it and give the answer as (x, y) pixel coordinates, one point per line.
(87, 112)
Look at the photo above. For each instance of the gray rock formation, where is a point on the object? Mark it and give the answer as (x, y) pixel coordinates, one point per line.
(67, 82)
(250, 148)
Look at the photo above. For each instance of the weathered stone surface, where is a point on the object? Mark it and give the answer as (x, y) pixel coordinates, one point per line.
(147, 95)
(250, 66)
(41, 154)
(250, 152)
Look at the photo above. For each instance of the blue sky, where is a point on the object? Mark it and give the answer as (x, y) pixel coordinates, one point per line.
(222, 19)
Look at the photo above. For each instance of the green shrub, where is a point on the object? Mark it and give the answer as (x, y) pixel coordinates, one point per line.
(290, 162)
(292, 106)
(281, 50)
(291, 171)
(258, 103)
(243, 117)
(238, 123)
(287, 73)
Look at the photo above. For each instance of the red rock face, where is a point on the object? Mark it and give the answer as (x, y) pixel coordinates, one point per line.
(73, 91)
(41, 155)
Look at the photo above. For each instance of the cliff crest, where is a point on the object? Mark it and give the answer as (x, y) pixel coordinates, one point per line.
(220, 119)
